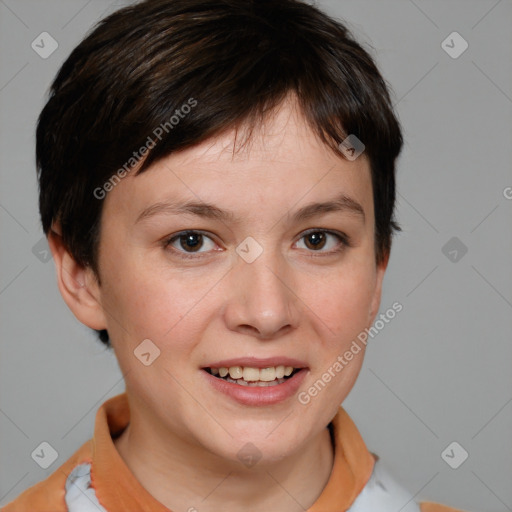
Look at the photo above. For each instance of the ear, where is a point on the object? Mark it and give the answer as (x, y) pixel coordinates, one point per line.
(375, 304)
(78, 285)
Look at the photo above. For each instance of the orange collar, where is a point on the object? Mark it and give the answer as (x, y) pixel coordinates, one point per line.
(117, 488)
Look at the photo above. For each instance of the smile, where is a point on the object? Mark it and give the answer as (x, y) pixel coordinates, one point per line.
(256, 382)
(254, 377)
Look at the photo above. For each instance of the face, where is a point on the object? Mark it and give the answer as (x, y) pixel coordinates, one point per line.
(252, 262)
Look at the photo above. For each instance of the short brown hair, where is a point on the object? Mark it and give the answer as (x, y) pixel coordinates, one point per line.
(237, 59)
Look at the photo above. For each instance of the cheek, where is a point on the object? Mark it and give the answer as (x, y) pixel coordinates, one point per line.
(342, 301)
(158, 305)
(160, 309)
(144, 301)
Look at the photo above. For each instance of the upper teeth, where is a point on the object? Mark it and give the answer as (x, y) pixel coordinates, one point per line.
(254, 374)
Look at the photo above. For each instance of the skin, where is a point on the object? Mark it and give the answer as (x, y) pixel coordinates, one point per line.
(296, 300)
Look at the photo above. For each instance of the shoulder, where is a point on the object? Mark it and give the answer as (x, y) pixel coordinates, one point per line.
(385, 494)
(49, 494)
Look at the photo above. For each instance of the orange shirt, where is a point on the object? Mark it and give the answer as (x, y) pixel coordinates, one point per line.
(117, 490)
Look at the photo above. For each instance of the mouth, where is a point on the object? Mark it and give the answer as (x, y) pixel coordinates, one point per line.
(256, 381)
(251, 376)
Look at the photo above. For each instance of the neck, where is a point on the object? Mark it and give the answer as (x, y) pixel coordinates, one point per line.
(189, 478)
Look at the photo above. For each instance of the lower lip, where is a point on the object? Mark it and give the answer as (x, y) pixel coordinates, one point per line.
(256, 395)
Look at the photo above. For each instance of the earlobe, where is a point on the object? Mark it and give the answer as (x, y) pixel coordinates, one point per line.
(77, 284)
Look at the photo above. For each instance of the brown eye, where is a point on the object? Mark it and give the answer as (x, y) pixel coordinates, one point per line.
(192, 241)
(315, 240)
(190, 244)
(324, 242)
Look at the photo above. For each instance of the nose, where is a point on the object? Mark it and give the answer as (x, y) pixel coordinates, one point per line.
(261, 301)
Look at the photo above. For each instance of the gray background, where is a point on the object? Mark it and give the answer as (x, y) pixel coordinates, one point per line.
(439, 372)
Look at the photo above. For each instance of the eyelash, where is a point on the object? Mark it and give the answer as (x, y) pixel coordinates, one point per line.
(343, 239)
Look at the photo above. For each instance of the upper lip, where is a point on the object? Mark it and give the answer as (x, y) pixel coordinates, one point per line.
(256, 362)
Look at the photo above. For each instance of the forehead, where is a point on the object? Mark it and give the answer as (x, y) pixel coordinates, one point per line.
(279, 164)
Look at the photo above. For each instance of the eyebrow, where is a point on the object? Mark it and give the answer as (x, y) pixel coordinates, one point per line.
(341, 203)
